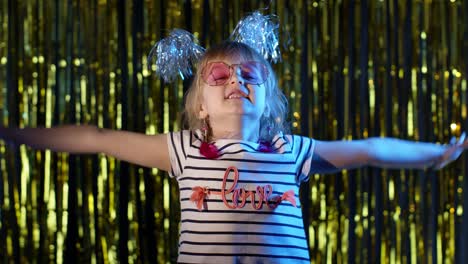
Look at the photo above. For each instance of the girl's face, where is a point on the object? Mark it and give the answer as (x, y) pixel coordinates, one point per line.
(233, 86)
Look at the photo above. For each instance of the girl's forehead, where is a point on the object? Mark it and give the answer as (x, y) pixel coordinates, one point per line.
(229, 58)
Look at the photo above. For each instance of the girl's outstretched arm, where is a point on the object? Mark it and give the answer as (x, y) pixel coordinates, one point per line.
(332, 156)
(145, 150)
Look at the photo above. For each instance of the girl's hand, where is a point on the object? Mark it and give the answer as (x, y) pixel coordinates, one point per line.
(452, 152)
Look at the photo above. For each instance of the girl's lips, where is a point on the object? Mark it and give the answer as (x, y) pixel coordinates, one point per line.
(236, 95)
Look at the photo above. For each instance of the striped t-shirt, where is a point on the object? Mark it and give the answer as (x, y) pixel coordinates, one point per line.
(215, 228)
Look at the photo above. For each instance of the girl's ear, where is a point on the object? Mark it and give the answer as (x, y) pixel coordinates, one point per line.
(202, 114)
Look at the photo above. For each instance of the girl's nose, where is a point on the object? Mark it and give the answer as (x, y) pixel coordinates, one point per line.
(237, 80)
(237, 77)
(240, 81)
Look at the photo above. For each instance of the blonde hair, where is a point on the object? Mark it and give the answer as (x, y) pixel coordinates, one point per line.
(275, 104)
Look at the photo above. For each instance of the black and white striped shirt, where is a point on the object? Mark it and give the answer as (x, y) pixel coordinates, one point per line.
(223, 231)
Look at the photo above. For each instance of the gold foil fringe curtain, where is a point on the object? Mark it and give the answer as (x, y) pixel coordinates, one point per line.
(351, 69)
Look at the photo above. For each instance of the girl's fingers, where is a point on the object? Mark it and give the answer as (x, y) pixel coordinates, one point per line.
(453, 151)
(462, 138)
(463, 141)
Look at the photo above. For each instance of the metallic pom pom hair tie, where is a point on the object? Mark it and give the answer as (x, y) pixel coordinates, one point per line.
(175, 55)
(260, 33)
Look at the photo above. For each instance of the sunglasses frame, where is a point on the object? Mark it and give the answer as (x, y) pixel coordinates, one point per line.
(232, 67)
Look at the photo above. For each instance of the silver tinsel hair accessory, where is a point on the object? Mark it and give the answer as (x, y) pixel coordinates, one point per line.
(176, 54)
(260, 33)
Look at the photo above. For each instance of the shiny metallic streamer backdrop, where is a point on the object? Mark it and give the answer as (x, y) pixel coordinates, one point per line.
(351, 69)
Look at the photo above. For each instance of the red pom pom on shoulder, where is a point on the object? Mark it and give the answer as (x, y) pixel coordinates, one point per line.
(265, 146)
(209, 150)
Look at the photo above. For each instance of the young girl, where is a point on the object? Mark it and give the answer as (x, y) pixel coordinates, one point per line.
(238, 174)
(238, 170)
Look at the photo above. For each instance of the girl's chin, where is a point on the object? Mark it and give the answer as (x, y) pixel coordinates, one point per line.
(240, 100)
(239, 113)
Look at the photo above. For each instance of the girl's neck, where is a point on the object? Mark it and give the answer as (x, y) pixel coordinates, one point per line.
(241, 132)
(241, 135)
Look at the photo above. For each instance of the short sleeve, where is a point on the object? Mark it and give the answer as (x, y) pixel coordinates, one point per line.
(178, 143)
(303, 147)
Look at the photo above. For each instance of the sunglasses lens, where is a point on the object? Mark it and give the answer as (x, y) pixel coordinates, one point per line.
(216, 73)
(253, 72)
